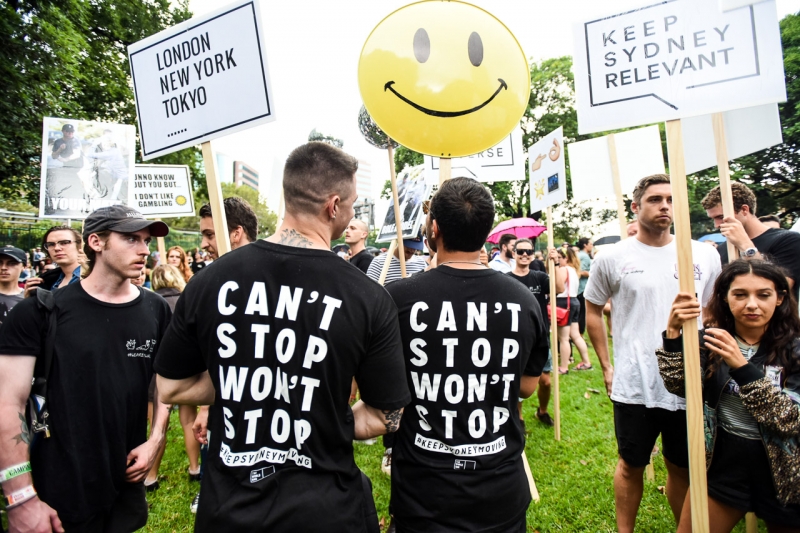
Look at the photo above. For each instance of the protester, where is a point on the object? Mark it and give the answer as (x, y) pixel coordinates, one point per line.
(458, 456)
(751, 237)
(356, 237)
(568, 299)
(504, 261)
(288, 313)
(750, 356)
(414, 264)
(63, 245)
(771, 221)
(199, 260)
(585, 246)
(639, 275)
(141, 280)
(343, 251)
(177, 258)
(539, 285)
(242, 225)
(88, 471)
(537, 264)
(12, 262)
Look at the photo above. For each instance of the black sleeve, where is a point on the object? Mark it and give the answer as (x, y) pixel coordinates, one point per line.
(381, 375)
(538, 356)
(21, 332)
(786, 254)
(179, 356)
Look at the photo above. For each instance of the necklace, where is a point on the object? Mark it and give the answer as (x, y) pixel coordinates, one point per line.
(465, 262)
(747, 343)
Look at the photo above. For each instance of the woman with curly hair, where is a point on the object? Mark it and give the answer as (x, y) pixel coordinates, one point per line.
(177, 258)
(750, 357)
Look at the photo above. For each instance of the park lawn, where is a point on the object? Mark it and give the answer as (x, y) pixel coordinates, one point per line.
(574, 476)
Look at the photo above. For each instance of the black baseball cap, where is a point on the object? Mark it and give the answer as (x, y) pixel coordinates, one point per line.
(68, 127)
(14, 253)
(122, 220)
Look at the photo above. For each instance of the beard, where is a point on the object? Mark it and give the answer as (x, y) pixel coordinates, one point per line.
(509, 254)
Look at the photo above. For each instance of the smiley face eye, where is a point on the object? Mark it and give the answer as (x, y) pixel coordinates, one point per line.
(422, 45)
(475, 49)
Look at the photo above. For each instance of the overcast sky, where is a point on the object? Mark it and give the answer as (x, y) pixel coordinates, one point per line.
(313, 47)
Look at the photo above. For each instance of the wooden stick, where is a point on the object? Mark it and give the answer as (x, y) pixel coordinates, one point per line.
(691, 344)
(554, 353)
(385, 269)
(445, 170)
(721, 144)
(750, 523)
(621, 215)
(398, 219)
(531, 483)
(649, 471)
(215, 201)
(162, 250)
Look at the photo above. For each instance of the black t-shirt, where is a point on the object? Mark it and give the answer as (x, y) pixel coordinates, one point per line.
(362, 260)
(539, 285)
(97, 392)
(468, 337)
(7, 303)
(779, 246)
(538, 265)
(71, 146)
(282, 331)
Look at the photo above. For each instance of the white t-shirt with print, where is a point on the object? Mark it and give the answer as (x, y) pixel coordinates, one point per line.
(642, 282)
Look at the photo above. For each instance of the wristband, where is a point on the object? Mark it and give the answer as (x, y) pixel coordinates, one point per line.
(14, 471)
(21, 496)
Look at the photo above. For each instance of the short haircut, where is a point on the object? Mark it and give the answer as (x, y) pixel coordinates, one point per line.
(464, 210)
(742, 195)
(644, 183)
(506, 238)
(770, 218)
(237, 213)
(314, 172)
(583, 241)
(523, 241)
(75, 235)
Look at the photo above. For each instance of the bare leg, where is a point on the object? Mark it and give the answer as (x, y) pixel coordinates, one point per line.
(721, 518)
(628, 489)
(575, 335)
(677, 488)
(543, 391)
(187, 414)
(564, 348)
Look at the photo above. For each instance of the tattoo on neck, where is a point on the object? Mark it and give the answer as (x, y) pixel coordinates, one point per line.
(392, 417)
(292, 237)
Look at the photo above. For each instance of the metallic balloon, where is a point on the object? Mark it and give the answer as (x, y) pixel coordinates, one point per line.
(372, 133)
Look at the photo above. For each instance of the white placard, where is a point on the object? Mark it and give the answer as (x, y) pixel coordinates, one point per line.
(747, 131)
(639, 154)
(162, 191)
(548, 172)
(727, 5)
(85, 166)
(201, 79)
(503, 162)
(676, 59)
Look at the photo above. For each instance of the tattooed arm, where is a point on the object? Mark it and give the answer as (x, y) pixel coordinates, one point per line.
(371, 422)
(16, 374)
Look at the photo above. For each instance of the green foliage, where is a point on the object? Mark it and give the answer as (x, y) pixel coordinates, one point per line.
(330, 139)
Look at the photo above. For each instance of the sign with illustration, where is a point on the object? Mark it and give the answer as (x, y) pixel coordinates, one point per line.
(412, 190)
(548, 174)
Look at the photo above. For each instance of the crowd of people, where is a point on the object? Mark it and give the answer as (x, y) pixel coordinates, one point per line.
(438, 362)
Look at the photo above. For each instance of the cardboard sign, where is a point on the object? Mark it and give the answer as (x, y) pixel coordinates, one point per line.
(548, 172)
(201, 79)
(747, 131)
(676, 59)
(162, 191)
(503, 162)
(412, 190)
(639, 154)
(85, 166)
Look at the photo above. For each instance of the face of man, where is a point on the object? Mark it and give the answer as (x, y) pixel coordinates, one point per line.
(655, 210)
(209, 242)
(589, 247)
(508, 249)
(355, 232)
(523, 253)
(125, 254)
(10, 269)
(62, 248)
(68, 134)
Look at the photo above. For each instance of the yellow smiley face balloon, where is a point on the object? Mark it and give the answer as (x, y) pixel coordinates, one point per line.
(444, 78)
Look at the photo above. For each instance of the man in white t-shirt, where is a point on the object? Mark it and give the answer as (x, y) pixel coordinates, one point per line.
(640, 277)
(504, 261)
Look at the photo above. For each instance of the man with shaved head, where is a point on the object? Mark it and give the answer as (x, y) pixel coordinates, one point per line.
(356, 236)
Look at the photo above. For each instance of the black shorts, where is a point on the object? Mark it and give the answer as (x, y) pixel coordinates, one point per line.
(740, 477)
(637, 427)
(127, 514)
(574, 308)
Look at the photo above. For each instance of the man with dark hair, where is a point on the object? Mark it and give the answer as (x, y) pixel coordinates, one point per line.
(504, 261)
(12, 261)
(242, 225)
(356, 236)
(67, 150)
(272, 338)
(86, 471)
(639, 275)
(751, 237)
(771, 221)
(63, 244)
(585, 246)
(474, 343)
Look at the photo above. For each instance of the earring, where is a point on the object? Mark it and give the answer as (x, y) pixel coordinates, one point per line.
(333, 217)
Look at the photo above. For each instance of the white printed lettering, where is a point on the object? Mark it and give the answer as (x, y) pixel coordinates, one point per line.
(414, 321)
(416, 346)
(450, 344)
(476, 317)
(223, 294)
(261, 331)
(252, 422)
(223, 330)
(288, 303)
(448, 423)
(478, 347)
(331, 304)
(233, 383)
(257, 302)
(316, 351)
(280, 434)
(454, 396)
(423, 387)
(447, 319)
(510, 350)
(258, 391)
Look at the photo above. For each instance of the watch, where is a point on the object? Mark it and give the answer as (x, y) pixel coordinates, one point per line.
(750, 253)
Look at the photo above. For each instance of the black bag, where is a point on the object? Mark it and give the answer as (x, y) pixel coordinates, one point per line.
(37, 401)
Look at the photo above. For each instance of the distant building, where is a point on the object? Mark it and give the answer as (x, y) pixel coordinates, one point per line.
(244, 174)
(224, 167)
(364, 180)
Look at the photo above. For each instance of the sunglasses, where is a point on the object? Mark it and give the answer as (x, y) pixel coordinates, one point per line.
(62, 244)
(524, 251)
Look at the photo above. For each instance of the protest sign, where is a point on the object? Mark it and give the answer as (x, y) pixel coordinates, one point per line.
(504, 161)
(162, 191)
(727, 5)
(676, 59)
(85, 166)
(412, 190)
(201, 79)
(747, 131)
(547, 173)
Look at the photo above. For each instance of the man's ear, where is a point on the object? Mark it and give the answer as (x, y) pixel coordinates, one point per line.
(236, 235)
(635, 207)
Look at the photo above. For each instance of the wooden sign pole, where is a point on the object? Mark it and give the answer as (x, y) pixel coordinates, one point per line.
(551, 270)
(215, 201)
(398, 218)
(385, 269)
(445, 170)
(721, 144)
(621, 215)
(531, 483)
(751, 523)
(691, 345)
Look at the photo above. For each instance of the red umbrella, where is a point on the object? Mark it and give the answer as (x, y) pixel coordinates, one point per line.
(526, 228)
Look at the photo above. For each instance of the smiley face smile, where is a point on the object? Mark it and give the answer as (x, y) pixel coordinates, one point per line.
(445, 114)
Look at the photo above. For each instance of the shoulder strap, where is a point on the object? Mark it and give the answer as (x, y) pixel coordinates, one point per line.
(46, 301)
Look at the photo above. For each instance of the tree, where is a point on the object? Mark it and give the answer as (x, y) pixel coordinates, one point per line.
(330, 139)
